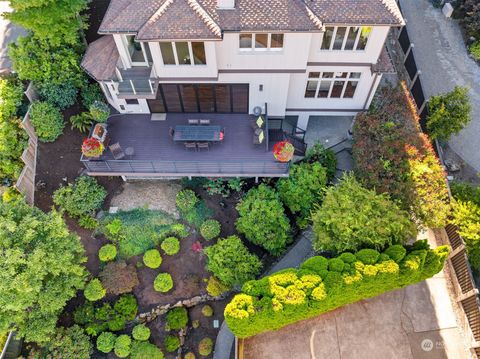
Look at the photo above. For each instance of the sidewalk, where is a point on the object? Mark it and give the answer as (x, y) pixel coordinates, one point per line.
(8, 33)
(441, 56)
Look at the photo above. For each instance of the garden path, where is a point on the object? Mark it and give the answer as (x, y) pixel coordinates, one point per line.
(442, 57)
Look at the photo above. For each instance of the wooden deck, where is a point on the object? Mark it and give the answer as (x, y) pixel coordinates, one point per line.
(157, 155)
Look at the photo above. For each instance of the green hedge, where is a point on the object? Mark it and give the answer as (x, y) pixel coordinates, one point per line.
(317, 287)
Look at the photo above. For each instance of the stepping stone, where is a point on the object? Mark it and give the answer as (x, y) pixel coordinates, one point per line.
(216, 324)
(113, 210)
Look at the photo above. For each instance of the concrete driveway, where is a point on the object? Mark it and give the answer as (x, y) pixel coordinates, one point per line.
(8, 33)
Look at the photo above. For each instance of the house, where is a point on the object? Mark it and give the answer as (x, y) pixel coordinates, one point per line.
(167, 61)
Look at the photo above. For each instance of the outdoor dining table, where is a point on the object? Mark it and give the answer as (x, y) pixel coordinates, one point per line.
(197, 133)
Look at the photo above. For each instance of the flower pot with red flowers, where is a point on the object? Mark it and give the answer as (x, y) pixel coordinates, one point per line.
(92, 147)
(283, 151)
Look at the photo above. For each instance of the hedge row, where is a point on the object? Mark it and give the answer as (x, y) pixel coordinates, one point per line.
(322, 284)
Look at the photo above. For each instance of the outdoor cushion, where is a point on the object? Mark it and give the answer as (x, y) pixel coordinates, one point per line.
(261, 137)
(259, 121)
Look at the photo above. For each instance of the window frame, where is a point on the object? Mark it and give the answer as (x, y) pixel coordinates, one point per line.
(332, 80)
(345, 39)
(262, 49)
(175, 54)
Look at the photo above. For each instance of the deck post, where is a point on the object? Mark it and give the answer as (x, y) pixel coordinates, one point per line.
(256, 179)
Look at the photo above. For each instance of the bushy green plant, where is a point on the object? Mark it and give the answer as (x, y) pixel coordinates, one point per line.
(82, 122)
(99, 111)
(126, 306)
(396, 252)
(336, 265)
(88, 222)
(170, 246)
(177, 318)
(91, 93)
(123, 346)
(61, 96)
(465, 192)
(223, 186)
(449, 113)
(39, 252)
(207, 311)
(216, 288)
(118, 277)
(84, 197)
(325, 157)
(171, 343)
(141, 332)
(186, 199)
(47, 121)
(106, 342)
(292, 295)
(145, 350)
(353, 217)
(231, 262)
(210, 229)
(466, 216)
(152, 258)
(263, 221)
(163, 282)
(205, 347)
(474, 50)
(189, 355)
(303, 190)
(107, 253)
(368, 256)
(94, 290)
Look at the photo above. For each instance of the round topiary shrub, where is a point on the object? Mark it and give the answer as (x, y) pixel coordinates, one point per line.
(94, 290)
(189, 355)
(316, 264)
(368, 256)
(108, 252)
(396, 252)
(99, 111)
(336, 265)
(207, 310)
(170, 246)
(47, 121)
(210, 229)
(171, 343)
(152, 258)
(163, 282)
(205, 347)
(177, 318)
(186, 199)
(123, 346)
(347, 257)
(141, 332)
(106, 342)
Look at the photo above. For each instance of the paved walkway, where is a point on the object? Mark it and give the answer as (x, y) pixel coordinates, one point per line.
(441, 55)
(8, 33)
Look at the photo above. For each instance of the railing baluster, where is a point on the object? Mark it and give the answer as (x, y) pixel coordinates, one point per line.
(133, 87)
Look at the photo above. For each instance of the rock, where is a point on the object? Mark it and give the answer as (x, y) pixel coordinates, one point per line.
(452, 166)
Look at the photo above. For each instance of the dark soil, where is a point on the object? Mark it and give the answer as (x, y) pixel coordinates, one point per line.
(95, 13)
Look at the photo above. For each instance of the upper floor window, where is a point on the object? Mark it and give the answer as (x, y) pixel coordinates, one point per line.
(261, 42)
(345, 38)
(183, 53)
(332, 84)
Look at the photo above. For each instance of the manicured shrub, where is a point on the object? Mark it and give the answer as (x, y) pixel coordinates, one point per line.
(216, 288)
(123, 346)
(326, 157)
(231, 262)
(170, 246)
(207, 311)
(106, 342)
(263, 221)
(352, 217)
(186, 199)
(316, 264)
(392, 155)
(303, 190)
(349, 257)
(107, 253)
(145, 350)
(118, 277)
(127, 306)
(59, 95)
(94, 290)
(368, 256)
(449, 113)
(171, 343)
(91, 93)
(163, 282)
(336, 265)
(47, 121)
(177, 318)
(99, 111)
(205, 347)
(396, 252)
(292, 295)
(210, 229)
(84, 197)
(152, 258)
(141, 332)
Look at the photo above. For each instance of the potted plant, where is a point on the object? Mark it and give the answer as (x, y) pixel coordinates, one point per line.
(91, 147)
(283, 151)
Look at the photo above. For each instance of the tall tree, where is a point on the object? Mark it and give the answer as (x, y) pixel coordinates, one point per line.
(40, 270)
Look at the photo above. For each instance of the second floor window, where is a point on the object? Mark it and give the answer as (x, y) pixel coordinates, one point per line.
(183, 53)
(346, 38)
(261, 42)
(332, 84)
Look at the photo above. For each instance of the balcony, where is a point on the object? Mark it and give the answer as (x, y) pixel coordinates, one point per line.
(155, 154)
(136, 82)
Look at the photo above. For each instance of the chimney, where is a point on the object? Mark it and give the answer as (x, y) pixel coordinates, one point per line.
(226, 4)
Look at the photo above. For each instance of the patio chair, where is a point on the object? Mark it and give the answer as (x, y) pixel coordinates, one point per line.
(204, 122)
(190, 145)
(117, 151)
(171, 132)
(193, 122)
(203, 145)
(258, 136)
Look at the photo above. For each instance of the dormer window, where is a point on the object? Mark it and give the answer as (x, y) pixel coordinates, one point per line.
(346, 38)
(260, 42)
(183, 53)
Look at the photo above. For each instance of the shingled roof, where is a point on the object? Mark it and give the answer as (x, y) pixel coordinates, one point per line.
(101, 58)
(201, 19)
